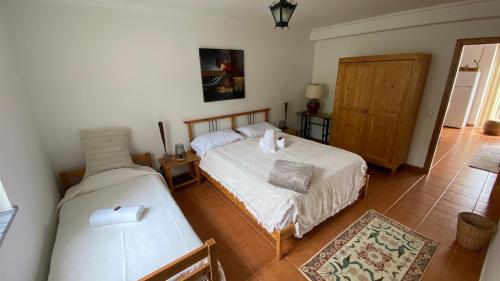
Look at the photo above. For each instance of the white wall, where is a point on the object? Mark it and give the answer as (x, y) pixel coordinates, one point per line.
(27, 177)
(87, 66)
(490, 270)
(438, 40)
(469, 54)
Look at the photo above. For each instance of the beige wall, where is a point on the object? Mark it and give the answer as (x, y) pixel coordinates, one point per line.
(438, 40)
(469, 54)
(96, 66)
(27, 177)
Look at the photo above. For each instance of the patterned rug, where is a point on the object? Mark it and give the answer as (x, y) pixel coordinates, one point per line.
(374, 248)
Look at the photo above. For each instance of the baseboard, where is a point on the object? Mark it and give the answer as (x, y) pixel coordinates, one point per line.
(413, 168)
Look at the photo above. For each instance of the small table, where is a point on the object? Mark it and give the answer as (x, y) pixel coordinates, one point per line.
(193, 176)
(306, 124)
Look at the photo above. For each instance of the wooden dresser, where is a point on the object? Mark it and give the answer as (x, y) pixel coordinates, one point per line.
(376, 105)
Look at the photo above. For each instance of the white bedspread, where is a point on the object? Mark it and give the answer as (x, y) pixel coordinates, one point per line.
(243, 169)
(123, 251)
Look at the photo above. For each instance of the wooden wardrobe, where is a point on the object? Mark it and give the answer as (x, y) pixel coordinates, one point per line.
(376, 105)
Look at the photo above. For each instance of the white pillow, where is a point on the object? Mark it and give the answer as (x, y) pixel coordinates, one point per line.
(105, 149)
(256, 130)
(207, 141)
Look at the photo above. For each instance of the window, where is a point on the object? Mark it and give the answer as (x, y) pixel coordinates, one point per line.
(7, 213)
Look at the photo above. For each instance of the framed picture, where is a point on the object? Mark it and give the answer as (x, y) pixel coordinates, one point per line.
(222, 74)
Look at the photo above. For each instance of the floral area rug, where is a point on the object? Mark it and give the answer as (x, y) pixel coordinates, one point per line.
(374, 248)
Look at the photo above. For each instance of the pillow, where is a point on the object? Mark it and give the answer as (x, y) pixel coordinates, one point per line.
(105, 149)
(256, 130)
(207, 141)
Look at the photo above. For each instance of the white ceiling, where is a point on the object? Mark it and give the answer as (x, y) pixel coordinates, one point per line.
(309, 13)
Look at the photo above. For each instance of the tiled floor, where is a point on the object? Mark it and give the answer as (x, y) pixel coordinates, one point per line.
(427, 203)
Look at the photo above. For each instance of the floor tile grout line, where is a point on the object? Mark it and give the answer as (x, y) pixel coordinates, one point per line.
(404, 194)
(254, 273)
(448, 186)
(236, 209)
(232, 247)
(446, 154)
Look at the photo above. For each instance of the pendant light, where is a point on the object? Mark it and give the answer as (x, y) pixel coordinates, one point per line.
(282, 11)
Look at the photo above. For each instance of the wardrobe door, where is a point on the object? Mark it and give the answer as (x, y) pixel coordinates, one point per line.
(351, 101)
(390, 84)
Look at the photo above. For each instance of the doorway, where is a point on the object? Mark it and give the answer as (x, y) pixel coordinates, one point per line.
(470, 96)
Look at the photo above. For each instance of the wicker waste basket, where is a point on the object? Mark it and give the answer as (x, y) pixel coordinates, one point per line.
(474, 231)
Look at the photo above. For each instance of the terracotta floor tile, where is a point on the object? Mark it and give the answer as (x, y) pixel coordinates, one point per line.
(488, 209)
(302, 252)
(321, 236)
(439, 233)
(475, 173)
(473, 192)
(340, 222)
(224, 215)
(421, 197)
(239, 232)
(470, 182)
(379, 205)
(428, 188)
(234, 267)
(484, 197)
(436, 180)
(256, 253)
(437, 270)
(460, 199)
(408, 212)
(254, 278)
(489, 183)
(204, 192)
(444, 219)
(463, 268)
(477, 256)
(280, 271)
(451, 208)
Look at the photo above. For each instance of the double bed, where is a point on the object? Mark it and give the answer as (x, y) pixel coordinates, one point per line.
(162, 245)
(240, 171)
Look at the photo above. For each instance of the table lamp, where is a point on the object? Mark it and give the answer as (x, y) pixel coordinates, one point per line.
(314, 92)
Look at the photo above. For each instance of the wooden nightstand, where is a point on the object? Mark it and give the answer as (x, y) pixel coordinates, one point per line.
(193, 176)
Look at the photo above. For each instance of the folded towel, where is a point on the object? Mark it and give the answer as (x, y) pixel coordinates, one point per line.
(291, 175)
(116, 215)
(280, 143)
(268, 142)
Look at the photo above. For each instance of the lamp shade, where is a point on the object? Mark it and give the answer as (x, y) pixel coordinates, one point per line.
(314, 91)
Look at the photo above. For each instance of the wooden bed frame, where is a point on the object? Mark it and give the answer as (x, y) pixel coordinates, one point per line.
(281, 236)
(207, 250)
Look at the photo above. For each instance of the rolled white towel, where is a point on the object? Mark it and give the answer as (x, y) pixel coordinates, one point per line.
(116, 215)
(280, 143)
(268, 142)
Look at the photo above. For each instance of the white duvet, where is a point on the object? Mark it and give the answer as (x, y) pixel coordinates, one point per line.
(243, 169)
(122, 251)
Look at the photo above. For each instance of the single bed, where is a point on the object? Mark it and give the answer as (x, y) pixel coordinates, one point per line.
(162, 245)
(240, 171)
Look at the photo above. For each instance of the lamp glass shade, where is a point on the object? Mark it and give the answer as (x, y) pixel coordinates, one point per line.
(4, 201)
(282, 12)
(314, 91)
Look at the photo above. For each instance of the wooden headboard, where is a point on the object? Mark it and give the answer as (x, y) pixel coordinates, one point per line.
(70, 178)
(212, 121)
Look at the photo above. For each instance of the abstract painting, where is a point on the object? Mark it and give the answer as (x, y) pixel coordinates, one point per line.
(222, 74)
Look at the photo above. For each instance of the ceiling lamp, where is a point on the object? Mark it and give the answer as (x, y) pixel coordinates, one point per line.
(282, 12)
